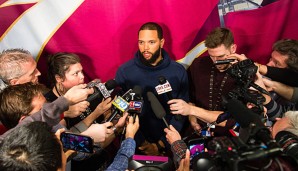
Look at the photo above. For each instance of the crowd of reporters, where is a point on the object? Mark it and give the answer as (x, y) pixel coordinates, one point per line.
(96, 110)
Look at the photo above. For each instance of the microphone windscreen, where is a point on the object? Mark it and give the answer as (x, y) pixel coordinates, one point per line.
(162, 80)
(242, 114)
(137, 90)
(111, 84)
(157, 108)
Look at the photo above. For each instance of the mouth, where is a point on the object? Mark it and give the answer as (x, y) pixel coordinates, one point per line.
(147, 55)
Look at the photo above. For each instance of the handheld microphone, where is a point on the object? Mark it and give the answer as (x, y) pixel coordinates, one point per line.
(226, 61)
(157, 108)
(136, 103)
(120, 104)
(101, 90)
(165, 87)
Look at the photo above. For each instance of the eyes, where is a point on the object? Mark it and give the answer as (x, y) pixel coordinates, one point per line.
(151, 42)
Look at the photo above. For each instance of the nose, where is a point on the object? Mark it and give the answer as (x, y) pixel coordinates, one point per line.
(146, 46)
(82, 75)
(37, 73)
(270, 63)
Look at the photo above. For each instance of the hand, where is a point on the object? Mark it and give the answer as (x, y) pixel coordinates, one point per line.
(76, 109)
(78, 93)
(269, 84)
(194, 123)
(179, 106)
(121, 121)
(236, 56)
(103, 106)
(131, 127)
(184, 163)
(172, 134)
(99, 132)
(149, 149)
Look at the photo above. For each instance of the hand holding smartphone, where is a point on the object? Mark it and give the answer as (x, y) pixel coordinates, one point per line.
(77, 142)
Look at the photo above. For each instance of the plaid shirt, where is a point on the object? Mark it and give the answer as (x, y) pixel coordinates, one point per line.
(179, 150)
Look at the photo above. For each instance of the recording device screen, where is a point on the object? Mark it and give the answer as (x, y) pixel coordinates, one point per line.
(196, 146)
(77, 142)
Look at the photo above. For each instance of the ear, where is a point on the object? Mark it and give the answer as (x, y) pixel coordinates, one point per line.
(162, 42)
(233, 48)
(58, 79)
(13, 81)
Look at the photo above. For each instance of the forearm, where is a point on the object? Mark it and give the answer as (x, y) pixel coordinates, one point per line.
(283, 90)
(295, 95)
(205, 115)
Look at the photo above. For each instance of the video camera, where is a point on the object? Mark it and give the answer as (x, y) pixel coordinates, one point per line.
(244, 73)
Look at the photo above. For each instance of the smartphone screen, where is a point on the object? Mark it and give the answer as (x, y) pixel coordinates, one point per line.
(196, 146)
(77, 142)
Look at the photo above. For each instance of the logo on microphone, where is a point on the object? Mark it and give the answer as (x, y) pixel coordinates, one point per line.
(120, 104)
(135, 106)
(104, 91)
(163, 88)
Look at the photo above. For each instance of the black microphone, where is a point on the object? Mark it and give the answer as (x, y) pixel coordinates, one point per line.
(226, 61)
(136, 103)
(101, 90)
(157, 108)
(246, 118)
(165, 87)
(120, 104)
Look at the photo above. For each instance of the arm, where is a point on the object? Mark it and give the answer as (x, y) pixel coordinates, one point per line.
(179, 106)
(127, 148)
(283, 90)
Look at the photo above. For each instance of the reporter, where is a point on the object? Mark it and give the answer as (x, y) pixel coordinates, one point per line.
(66, 71)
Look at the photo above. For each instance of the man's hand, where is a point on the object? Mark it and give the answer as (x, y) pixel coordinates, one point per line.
(103, 106)
(184, 163)
(76, 109)
(172, 134)
(99, 132)
(78, 93)
(149, 149)
(179, 106)
(131, 127)
(194, 123)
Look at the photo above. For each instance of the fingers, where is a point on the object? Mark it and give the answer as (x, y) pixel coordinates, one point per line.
(108, 124)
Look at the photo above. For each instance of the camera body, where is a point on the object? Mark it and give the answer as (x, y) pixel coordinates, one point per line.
(244, 74)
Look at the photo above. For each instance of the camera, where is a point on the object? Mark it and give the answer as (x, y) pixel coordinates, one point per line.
(228, 154)
(244, 74)
(289, 142)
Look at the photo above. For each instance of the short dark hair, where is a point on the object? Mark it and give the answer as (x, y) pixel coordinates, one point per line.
(153, 26)
(31, 147)
(219, 36)
(16, 101)
(288, 47)
(59, 63)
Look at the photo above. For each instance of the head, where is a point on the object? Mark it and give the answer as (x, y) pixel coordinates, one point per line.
(287, 123)
(285, 54)
(220, 44)
(31, 147)
(17, 66)
(150, 43)
(65, 69)
(19, 101)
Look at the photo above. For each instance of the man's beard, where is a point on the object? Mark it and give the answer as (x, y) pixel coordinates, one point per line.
(153, 58)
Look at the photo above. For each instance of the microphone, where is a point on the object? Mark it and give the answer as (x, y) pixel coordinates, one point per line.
(247, 119)
(165, 87)
(157, 108)
(136, 103)
(101, 90)
(226, 61)
(122, 104)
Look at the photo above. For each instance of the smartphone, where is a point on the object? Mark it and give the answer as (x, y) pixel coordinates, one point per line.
(77, 142)
(196, 146)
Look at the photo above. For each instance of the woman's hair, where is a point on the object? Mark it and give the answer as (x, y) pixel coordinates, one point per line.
(59, 63)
